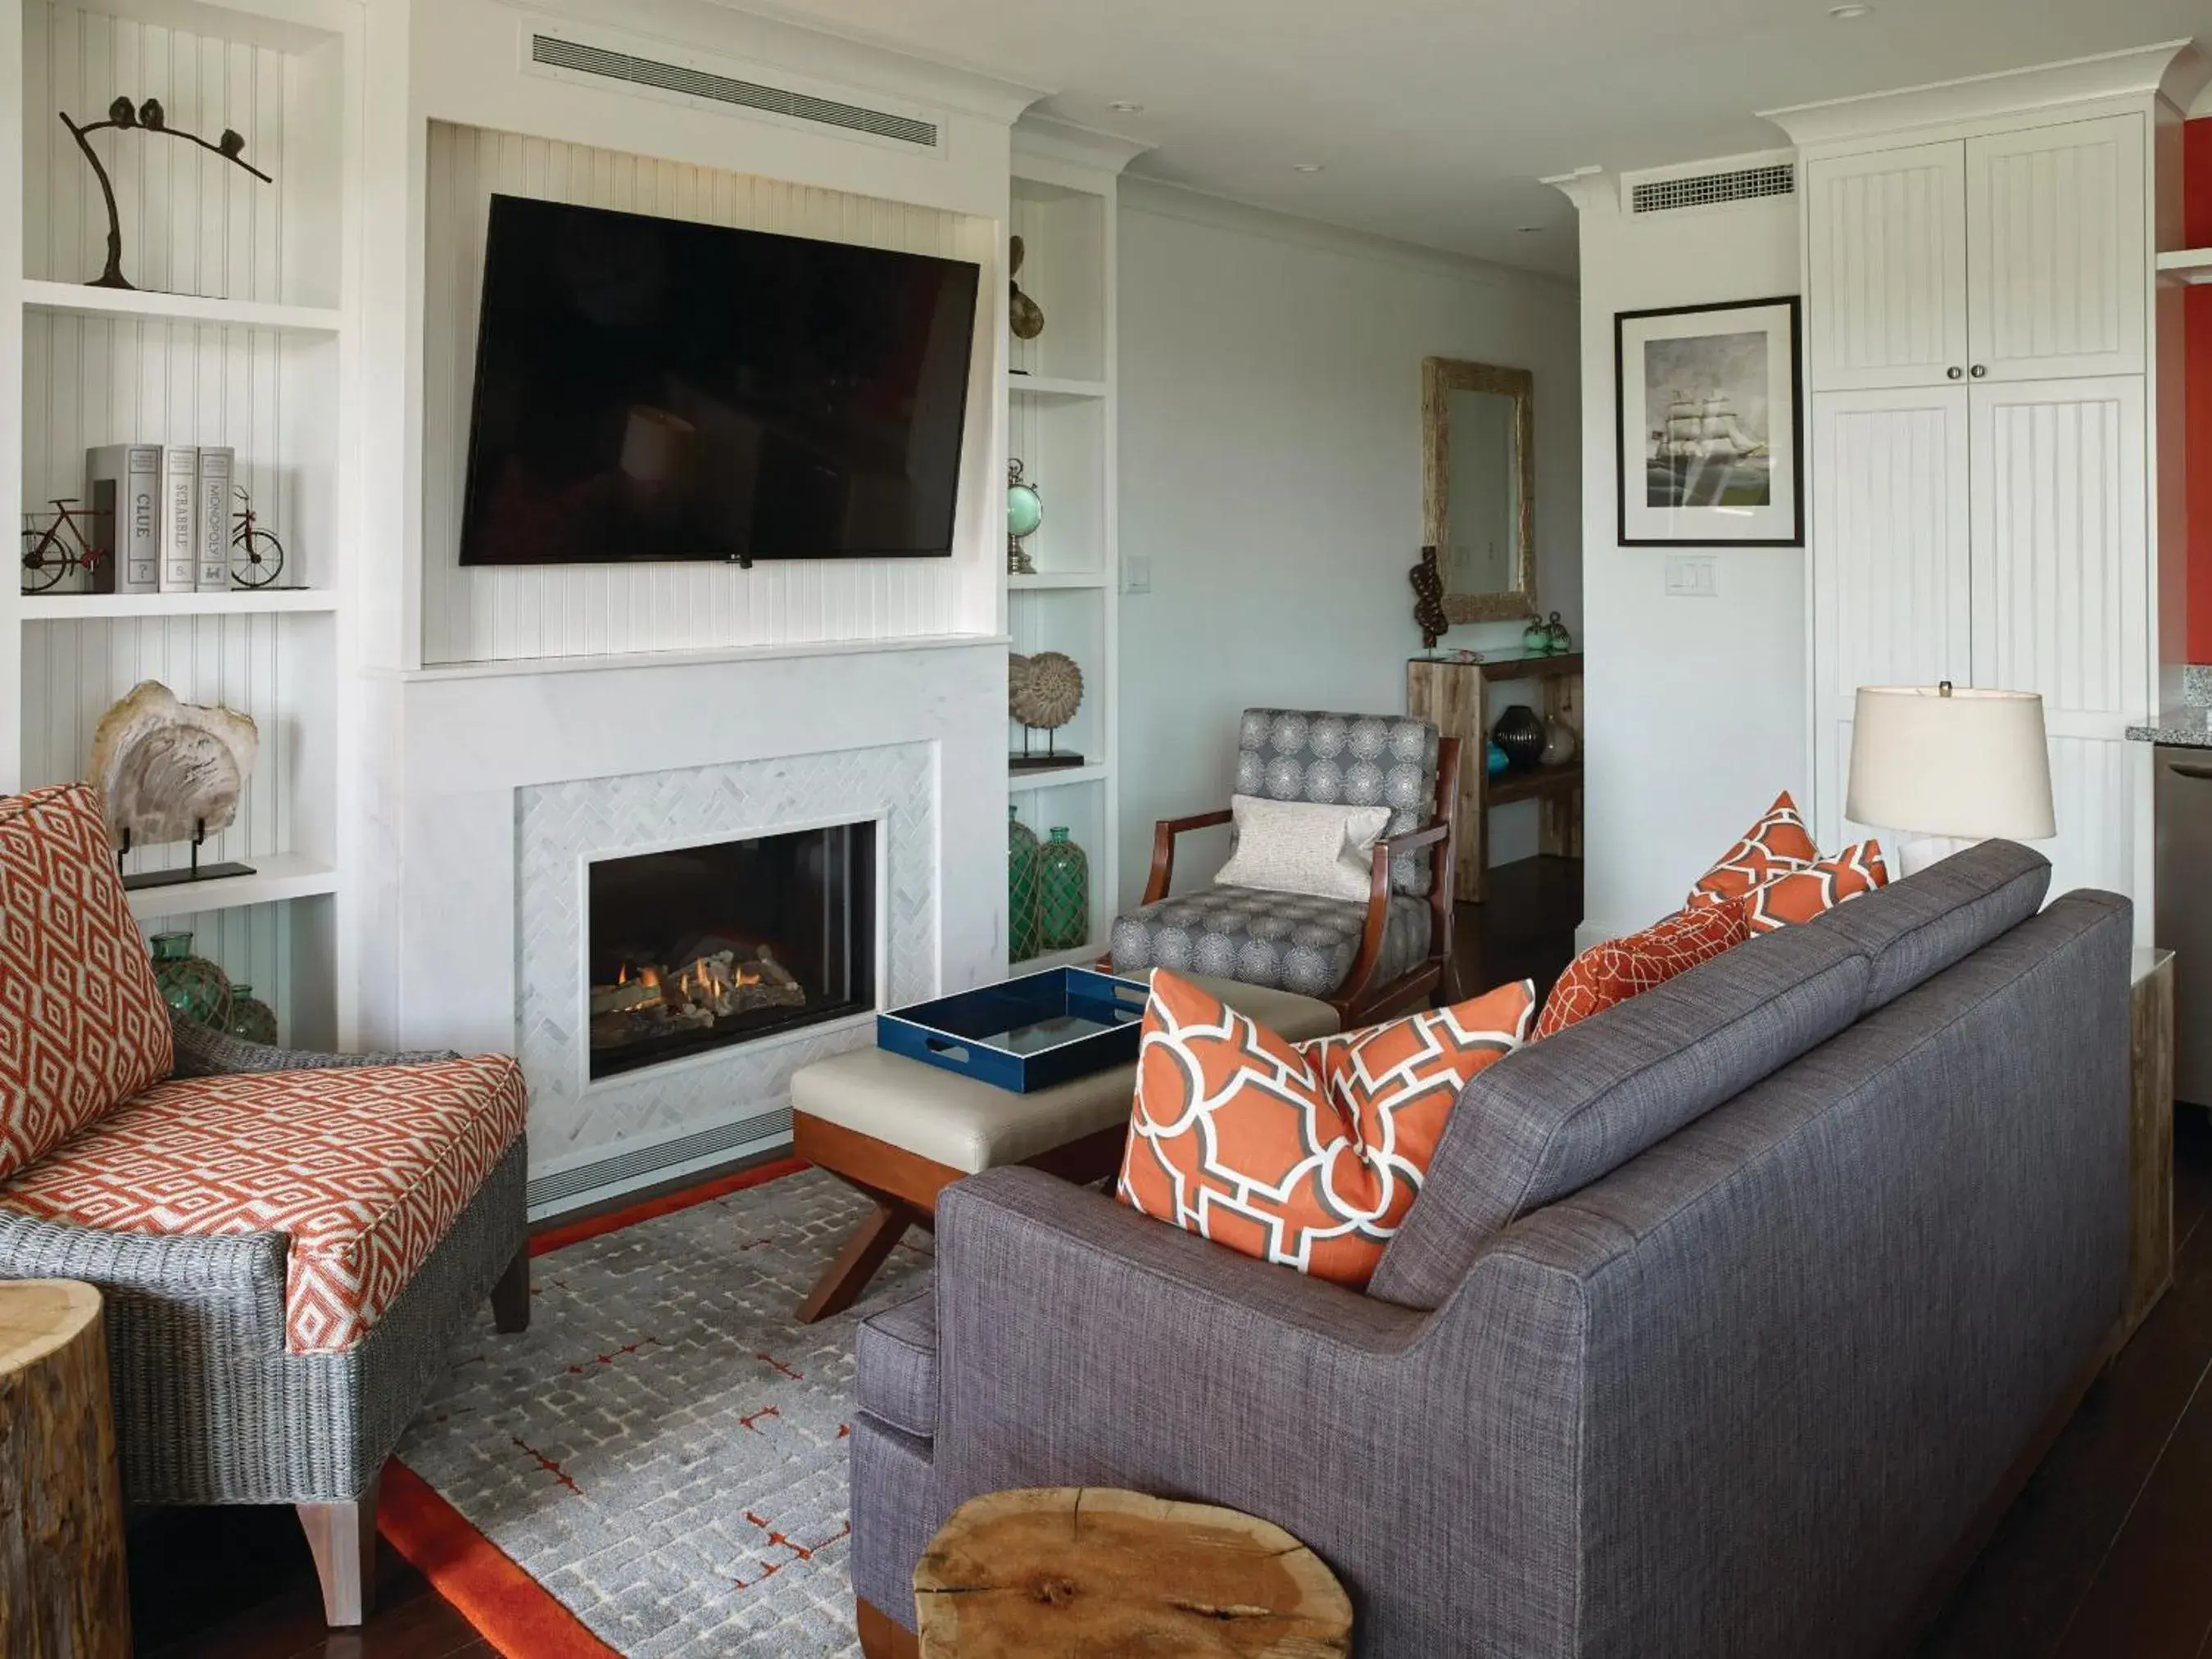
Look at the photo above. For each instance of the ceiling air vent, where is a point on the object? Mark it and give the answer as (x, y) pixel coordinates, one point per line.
(556, 53)
(1704, 189)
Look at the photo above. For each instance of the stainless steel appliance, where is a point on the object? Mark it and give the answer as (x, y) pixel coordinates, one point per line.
(2184, 910)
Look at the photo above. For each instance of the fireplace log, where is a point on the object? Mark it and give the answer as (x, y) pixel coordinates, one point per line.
(621, 998)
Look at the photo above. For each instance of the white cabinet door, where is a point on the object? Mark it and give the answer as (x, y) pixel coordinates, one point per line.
(1891, 564)
(2057, 255)
(2062, 603)
(1887, 288)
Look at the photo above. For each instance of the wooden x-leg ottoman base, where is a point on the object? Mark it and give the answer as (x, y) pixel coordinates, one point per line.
(904, 1186)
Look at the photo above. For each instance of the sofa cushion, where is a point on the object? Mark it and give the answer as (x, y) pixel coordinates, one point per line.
(1554, 1117)
(1358, 760)
(895, 1358)
(1616, 969)
(83, 1027)
(1309, 1154)
(1915, 928)
(364, 1169)
(1290, 941)
(1777, 845)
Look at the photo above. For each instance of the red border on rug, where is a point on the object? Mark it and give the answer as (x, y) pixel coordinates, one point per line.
(509, 1609)
(575, 1232)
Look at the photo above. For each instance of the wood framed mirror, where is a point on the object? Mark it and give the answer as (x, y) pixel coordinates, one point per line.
(1479, 486)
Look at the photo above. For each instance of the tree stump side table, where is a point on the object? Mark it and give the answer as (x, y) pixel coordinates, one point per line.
(63, 1591)
(1089, 1572)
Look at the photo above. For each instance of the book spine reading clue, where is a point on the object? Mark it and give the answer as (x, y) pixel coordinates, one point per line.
(181, 518)
(123, 482)
(216, 464)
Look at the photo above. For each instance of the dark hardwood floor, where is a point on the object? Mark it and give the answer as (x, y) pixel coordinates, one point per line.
(2102, 1554)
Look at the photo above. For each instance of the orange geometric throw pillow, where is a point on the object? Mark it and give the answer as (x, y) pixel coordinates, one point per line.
(1777, 845)
(1804, 893)
(1622, 968)
(1306, 1154)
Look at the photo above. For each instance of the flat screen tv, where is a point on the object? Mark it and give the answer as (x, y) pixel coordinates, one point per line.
(650, 389)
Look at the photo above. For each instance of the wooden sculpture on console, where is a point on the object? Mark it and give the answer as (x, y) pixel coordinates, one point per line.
(1428, 599)
(168, 771)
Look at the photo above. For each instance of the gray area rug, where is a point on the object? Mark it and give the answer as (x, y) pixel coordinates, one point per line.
(664, 1449)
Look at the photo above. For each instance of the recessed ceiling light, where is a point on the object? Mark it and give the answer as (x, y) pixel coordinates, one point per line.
(1844, 14)
(1123, 107)
(1307, 167)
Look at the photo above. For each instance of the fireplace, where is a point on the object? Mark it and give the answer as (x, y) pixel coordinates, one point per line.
(709, 945)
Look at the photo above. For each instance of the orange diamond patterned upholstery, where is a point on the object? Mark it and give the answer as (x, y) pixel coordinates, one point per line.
(365, 1169)
(83, 1027)
(1304, 1154)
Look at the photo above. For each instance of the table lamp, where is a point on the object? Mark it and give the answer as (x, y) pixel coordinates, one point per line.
(1944, 768)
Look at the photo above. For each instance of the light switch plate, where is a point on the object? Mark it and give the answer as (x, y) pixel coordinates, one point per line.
(1692, 577)
(1137, 573)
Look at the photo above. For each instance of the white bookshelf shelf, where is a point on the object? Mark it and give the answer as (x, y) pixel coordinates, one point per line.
(1061, 777)
(236, 602)
(276, 876)
(145, 306)
(2189, 265)
(1054, 388)
(1049, 580)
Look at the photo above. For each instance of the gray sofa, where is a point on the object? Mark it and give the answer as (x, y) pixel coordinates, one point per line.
(1721, 1317)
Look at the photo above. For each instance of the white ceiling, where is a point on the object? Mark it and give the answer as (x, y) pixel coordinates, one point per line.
(1434, 118)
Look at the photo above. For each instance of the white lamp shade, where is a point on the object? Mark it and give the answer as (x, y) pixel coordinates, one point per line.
(1939, 762)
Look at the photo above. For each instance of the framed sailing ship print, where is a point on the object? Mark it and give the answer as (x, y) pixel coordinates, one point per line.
(1711, 438)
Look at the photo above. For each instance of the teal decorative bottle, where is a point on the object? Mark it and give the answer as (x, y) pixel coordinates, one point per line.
(249, 1018)
(192, 985)
(1021, 888)
(1063, 894)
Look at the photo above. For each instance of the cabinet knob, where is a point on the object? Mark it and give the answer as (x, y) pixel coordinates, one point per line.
(1953, 373)
(1979, 370)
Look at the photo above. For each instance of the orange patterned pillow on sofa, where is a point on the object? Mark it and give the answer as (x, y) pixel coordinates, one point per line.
(1306, 1154)
(83, 1027)
(1622, 968)
(1777, 845)
(1804, 893)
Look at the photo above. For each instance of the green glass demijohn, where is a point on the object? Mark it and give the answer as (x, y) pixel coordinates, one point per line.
(249, 1018)
(1536, 637)
(1063, 894)
(1021, 888)
(192, 985)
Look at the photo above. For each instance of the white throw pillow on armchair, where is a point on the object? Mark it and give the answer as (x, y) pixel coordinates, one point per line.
(1304, 847)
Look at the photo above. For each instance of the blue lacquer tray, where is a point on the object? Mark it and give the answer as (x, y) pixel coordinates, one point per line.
(1026, 1034)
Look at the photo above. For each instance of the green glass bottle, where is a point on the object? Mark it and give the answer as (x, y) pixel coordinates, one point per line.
(192, 985)
(1063, 894)
(1021, 888)
(249, 1018)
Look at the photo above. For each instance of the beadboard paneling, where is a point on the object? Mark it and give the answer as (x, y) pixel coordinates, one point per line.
(192, 222)
(479, 614)
(74, 671)
(1885, 285)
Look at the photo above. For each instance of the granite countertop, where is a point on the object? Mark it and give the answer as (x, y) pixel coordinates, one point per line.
(2188, 725)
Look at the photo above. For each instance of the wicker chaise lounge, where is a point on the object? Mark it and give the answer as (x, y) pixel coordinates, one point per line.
(287, 1241)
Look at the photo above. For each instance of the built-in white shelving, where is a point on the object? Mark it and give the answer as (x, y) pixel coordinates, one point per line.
(277, 877)
(2188, 264)
(1059, 393)
(82, 300)
(238, 332)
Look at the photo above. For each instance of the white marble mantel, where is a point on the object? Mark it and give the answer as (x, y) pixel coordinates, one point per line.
(439, 912)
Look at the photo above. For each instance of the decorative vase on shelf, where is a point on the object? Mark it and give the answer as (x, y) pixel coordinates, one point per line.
(1520, 733)
(1493, 759)
(1558, 640)
(249, 1016)
(1021, 888)
(192, 985)
(1063, 894)
(1561, 742)
(1536, 638)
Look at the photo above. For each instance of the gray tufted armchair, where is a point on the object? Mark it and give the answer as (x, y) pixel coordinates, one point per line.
(1372, 959)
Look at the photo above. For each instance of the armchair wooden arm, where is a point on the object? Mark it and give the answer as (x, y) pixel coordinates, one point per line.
(1163, 844)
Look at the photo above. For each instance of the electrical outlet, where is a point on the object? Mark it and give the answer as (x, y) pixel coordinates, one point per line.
(1692, 578)
(1137, 573)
